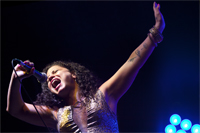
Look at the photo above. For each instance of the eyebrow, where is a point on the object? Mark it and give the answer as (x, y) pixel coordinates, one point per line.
(51, 72)
(56, 69)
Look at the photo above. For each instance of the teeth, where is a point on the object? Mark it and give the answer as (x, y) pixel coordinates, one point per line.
(55, 82)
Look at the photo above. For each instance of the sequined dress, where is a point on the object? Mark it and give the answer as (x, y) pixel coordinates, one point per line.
(95, 116)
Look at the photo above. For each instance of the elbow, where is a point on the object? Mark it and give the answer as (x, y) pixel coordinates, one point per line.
(10, 111)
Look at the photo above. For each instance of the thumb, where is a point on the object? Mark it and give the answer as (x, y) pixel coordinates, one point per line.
(32, 71)
(158, 6)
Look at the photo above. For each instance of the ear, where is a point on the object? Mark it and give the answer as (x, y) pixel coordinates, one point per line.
(74, 76)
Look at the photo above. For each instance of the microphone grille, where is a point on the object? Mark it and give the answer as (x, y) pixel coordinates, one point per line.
(43, 78)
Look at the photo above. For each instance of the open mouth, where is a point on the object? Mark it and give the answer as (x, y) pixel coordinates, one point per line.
(55, 83)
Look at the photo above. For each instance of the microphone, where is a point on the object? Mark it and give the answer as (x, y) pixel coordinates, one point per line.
(41, 77)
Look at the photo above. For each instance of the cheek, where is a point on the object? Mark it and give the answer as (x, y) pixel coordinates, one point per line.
(48, 85)
(68, 78)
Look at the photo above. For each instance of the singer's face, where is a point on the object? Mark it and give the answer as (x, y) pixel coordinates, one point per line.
(60, 81)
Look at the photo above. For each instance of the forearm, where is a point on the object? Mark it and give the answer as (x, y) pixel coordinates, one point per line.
(15, 102)
(142, 52)
(121, 81)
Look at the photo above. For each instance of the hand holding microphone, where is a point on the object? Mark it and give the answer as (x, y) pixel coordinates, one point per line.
(26, 69)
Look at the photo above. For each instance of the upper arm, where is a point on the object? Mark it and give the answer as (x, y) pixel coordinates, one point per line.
(115, 87)
(30, 115)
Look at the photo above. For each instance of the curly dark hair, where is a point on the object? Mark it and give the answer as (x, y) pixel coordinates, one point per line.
(87, 81)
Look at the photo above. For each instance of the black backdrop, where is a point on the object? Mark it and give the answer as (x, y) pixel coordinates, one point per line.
(101, 35)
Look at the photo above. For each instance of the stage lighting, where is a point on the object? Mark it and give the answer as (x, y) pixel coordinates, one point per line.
(186, 124)
(175, 119)
(180, 131)
(170, 129)
(195, 128)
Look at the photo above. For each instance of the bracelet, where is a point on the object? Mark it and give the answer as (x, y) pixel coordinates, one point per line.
(156, 34)
(152, 39)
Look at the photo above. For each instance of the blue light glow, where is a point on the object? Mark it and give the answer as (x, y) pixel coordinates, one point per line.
(186, 124)
(170, 129)
(175, 119)
(180, 131)
(195, 128)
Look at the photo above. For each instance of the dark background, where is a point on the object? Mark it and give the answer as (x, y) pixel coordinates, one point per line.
(101, 35)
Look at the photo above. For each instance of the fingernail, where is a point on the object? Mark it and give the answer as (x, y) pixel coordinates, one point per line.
(158, 4)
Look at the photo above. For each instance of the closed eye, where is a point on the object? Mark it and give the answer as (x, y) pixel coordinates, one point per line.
(54, 71)
(50, 77)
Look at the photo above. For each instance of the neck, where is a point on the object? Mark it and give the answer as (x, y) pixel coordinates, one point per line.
(74, 96)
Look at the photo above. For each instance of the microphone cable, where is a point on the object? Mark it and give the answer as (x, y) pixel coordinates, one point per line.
(28, 95)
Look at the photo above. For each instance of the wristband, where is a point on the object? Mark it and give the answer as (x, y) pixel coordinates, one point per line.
(156, 34)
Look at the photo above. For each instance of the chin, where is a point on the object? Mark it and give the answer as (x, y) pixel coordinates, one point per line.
(62, 92)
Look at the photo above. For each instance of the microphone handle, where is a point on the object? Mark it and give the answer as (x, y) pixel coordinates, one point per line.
(40, 76)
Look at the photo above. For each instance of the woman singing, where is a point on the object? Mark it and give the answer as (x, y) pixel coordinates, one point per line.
(72, 98)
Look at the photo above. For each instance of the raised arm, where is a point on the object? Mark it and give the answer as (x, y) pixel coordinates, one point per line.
(119, 83)
(25, 111)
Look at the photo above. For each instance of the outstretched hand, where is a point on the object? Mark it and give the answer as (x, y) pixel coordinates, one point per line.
(160, 22)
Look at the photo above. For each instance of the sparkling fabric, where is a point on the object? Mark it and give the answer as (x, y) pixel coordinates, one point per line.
(95, 116)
